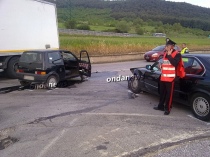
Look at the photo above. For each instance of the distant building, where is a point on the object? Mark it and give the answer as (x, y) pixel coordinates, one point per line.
(159, 34)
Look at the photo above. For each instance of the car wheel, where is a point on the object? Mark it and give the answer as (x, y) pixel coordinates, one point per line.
(134, 84)
(200, 104)
(51, 82)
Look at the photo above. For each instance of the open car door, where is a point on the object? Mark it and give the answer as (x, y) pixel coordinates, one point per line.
(84, 64)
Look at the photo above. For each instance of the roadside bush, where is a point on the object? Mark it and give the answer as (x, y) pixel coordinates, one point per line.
(111, 30)
(83, 27)
(122, 27)
(139, 30)
(71, 24)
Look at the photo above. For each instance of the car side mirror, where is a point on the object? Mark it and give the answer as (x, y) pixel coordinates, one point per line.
(148, 67)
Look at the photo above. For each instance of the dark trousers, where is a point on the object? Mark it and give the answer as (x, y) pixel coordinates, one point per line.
(166, 95)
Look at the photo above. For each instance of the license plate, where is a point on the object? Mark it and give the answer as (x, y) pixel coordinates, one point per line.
(147, 57)
(28, 77)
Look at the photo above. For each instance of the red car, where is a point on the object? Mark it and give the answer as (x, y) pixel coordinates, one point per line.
(157, 53)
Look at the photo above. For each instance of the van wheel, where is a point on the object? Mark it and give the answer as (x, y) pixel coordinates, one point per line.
(134, 85)
(51, 82)
(200, 105)
(12, 67)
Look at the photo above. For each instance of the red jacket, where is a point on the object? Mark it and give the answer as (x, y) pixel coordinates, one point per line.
(169, 72)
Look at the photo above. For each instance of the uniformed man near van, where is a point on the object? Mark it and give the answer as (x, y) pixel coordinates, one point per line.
(170, 62)
(185, 50)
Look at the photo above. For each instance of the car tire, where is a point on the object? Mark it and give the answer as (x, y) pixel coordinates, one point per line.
(51, 82)
(12, 67)
(200, 105)
(134, 84)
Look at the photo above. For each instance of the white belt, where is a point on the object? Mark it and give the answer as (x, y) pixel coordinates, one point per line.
(168, 75)
(165, 68)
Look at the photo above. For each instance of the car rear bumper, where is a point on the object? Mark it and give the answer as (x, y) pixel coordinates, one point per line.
(32, 77)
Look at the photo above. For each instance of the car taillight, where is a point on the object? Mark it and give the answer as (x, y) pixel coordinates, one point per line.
(40, 72)
(20, 71)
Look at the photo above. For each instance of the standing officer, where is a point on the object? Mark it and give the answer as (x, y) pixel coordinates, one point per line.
(184, 49)
(171, 60)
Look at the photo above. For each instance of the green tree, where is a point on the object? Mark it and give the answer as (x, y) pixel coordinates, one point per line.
(122, 27)
(139, 30)
(160, 30)
(71, 24)
(177, 27)
(138, 21)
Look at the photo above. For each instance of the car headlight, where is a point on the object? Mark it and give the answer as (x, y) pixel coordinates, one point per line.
(155, 55)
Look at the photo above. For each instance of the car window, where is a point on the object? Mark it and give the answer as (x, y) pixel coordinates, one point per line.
(177, 48)
(68, 56)
(156, 66)
(159, 48)
(31, 57)
(192, 66)
(54, 57)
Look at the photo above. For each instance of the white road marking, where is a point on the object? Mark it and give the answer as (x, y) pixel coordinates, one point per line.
(129, 114)
(174, 139)
(198, 120)
(47, 147)
(73, 121)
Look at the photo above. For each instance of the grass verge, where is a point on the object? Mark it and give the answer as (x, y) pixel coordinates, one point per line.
(101, 45)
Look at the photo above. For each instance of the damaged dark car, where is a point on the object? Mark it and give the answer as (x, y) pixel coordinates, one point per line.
(192, 90)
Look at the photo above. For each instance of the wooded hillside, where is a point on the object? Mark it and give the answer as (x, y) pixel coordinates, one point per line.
(157, 10)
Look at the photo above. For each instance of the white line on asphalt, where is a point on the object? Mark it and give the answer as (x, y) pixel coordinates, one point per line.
(47, 147)
(73, 121)
(198, 120)
(129, 114)
(174, 139)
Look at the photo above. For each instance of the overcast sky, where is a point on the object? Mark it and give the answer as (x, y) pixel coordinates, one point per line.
(202, 3)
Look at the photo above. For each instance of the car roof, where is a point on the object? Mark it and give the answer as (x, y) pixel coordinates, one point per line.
(44, 50)
(202, 55)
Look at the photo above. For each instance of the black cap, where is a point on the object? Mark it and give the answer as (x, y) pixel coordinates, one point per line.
(170, 42)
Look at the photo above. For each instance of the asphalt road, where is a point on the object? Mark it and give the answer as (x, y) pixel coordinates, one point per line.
(96, 119)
